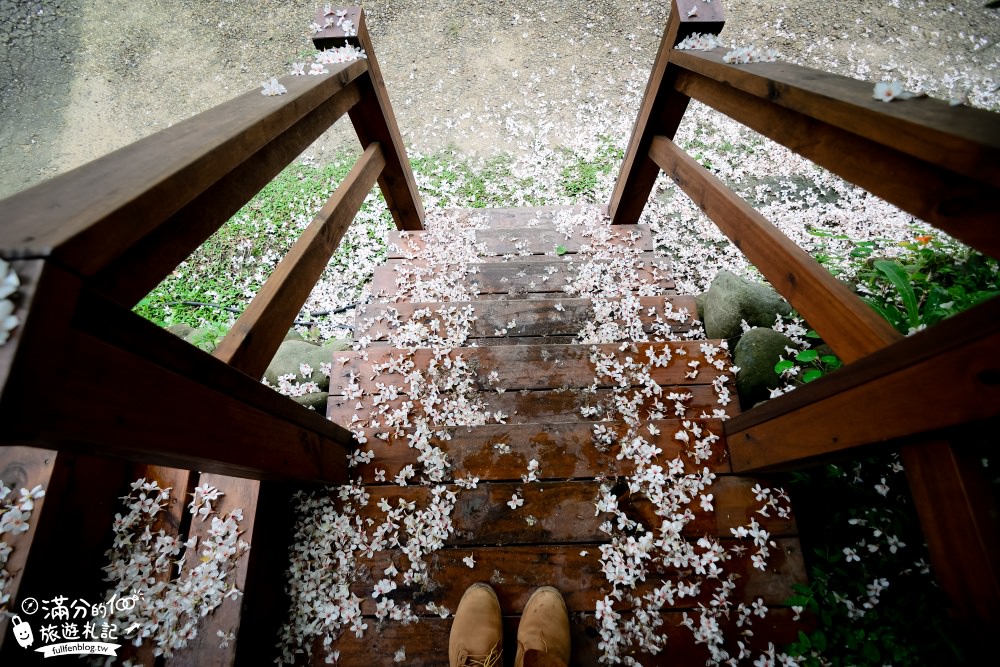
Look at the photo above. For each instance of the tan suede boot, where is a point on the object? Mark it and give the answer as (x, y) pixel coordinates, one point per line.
(543, 635)
(477, 631)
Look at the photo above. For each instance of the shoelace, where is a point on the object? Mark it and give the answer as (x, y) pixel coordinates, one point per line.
(491, 660)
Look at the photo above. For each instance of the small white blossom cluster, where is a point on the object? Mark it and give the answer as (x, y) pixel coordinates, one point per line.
(700, 42)
(141, 560)
(15, 512)
(750, 54)
(335, 18)
(9, 284)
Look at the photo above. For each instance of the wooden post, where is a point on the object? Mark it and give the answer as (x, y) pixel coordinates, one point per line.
(374, 121)
(661, 111)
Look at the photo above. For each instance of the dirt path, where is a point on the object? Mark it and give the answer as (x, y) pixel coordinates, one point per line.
(79, 78)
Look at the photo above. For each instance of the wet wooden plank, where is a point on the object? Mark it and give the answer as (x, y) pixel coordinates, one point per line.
(532, 241)
(563, 450)
(540, 275)
(564, 512)
(555, 405)
(424, 642)
(206, 648)
(517, 367)
(534, 317)
(516, 570)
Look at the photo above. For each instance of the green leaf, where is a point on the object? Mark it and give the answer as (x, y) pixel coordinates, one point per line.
(871, 652)
(812, 334)
(898, 277)
(560, 250)
(807, 355)
(804, 640)
(819, 641)
(830, 360)
(812, 374)
(783, 366)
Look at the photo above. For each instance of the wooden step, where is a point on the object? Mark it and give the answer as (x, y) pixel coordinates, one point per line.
(552, 405)
(425, 643)
(563, 450)
(539, 318)
(524, 278)
(499, 244)
(515, 367)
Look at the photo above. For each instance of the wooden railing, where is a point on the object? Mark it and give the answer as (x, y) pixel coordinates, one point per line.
(937, 162)
(83, 376)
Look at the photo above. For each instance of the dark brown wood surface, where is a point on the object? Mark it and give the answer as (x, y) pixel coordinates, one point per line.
(661, 110)
(961, 139)
(844, 321)
(963, 207)
(254, 338)
(91, 215)
(532, 317)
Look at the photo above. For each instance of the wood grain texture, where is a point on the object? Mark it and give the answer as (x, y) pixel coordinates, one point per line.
(139, 269)
(660, 112)
(563, 512)
(207, 649)
(516, 570)
(551, 406)
(91, 215)
(425, 643)
(22, 468)
(532, 317)
(844, 321)
(531, 366)
(961, 139)
(254, 338)
(563, 450)
(518, 279)
(963, 207)
(520, 243)
(374, 120)
(879, 393)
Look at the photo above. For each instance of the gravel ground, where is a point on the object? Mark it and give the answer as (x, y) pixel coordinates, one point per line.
(79, 78)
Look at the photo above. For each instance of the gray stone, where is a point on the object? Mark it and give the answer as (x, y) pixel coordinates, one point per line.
(756, 354)
(315, 401)
(293, 335)
(180, 330)
(731, 299)
(292, 354)
(206, 338)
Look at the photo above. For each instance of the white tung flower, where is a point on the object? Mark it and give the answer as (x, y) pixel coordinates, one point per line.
(887, 92)
(272, 88)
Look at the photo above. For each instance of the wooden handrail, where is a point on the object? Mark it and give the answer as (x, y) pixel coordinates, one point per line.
(90, 243)
(938, 162)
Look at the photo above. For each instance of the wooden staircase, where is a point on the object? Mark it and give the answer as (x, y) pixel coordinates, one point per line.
(505, 297)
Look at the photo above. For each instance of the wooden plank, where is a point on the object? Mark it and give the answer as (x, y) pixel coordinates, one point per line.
(844, 321)
(661, 110)
(137, 271)
(516, 570)
(374, 121)
(514, 279)
(961, 139)
(563, 512)
(424, 641)
(192, 426)
(520, 243)
(207, 648)
(963, 207)
(93, 214)
(532, 366)
(517, 217)
(550, 406)
(957, 511)
(534, 317)
(22, 468)
(564, 451)
(878, 394)
(254, 338)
